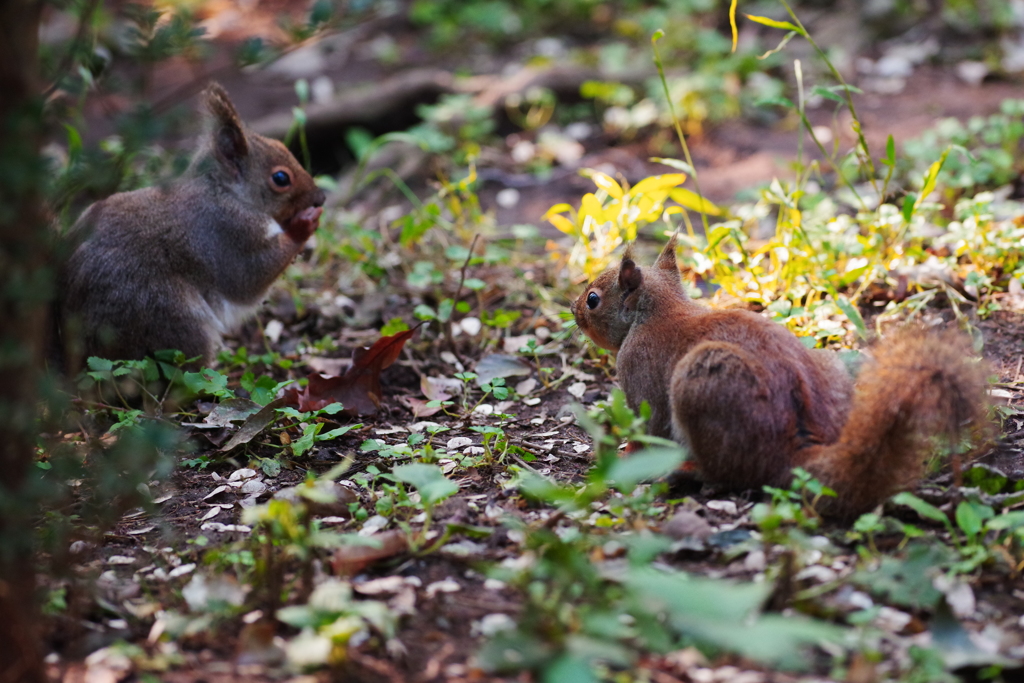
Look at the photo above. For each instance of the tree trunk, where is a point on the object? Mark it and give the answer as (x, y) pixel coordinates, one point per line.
(25, 285)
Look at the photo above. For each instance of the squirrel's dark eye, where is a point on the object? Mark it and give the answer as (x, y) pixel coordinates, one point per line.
(281, 179)
(593, 300)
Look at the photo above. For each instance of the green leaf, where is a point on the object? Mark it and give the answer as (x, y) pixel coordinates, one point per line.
(429, 480)
(270, 467)
(302, 90)
(424, 312)
(677, 164)
(99, 364)
(393, 327)
(264, 389)
(908, 582)
(444, 310)
(828, 94)
(780, 101)
(930, 180)
(513, 650)
(308, 438)
(890, 151)
(909, 202)
(968, 519)
(359, 140)
(1007, 520)
(646, 465)
(568, 669)
(853, 314)
(543, 489)
(207, 381)
(926, 510)
(335, 433)
(725, 615)
(293, 413)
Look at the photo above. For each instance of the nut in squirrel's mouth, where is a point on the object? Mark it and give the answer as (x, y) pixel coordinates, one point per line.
(300, 226)
(310, 215)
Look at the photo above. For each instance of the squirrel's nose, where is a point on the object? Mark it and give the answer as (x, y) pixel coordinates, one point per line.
(319, 197)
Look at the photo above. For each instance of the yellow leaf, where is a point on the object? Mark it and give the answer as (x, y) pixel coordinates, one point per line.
(563, 224)
(692, 200)
(732, 23)
(717, 234)
(649, 208)
(657, 182)
(774, 24)
(930, 179)
(590, 206)
(604, 182)
(557, 208)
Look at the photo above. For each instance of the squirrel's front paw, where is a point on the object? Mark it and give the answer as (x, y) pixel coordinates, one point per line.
(302, 224)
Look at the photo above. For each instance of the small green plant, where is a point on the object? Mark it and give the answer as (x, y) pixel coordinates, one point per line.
(987, 150)
(535, 351)
(284, 531)
(312, 424)
(610, 425)
(456, 124)
(329, 621)
(979, 535)
(433, 487)
(795, 505)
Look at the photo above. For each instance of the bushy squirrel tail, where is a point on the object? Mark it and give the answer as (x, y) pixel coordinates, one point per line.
(920, 384)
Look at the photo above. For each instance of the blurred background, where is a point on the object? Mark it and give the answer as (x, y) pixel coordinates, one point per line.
(527, 92)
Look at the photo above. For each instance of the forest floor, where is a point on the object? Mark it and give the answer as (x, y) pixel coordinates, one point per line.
(444, 602)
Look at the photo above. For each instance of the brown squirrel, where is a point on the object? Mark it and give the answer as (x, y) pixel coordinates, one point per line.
(176, 267)
(751, 402)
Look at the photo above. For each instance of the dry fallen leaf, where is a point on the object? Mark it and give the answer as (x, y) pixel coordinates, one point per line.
(255, 424)
(256, 644)
(349, 560)
(359, 388)
(419, 407)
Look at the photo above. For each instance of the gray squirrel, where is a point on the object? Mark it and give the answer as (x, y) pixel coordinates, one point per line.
(176, 267)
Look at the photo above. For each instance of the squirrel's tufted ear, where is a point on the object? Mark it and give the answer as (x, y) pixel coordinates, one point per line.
(630, 277)
(229, 140)
(627, 255)
(667, 258)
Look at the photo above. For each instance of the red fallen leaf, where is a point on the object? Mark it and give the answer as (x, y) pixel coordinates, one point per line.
(349, 560)
(359, 388)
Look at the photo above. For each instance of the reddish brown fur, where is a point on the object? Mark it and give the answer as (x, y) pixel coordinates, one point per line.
(752, 402)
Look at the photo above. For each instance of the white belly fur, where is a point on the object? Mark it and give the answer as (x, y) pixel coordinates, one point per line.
(274, 229)
(223, 316)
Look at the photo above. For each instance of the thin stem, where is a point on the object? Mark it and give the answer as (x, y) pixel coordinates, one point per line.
(861, 141)
(678, 127)
(799, 73)
(831, 160)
